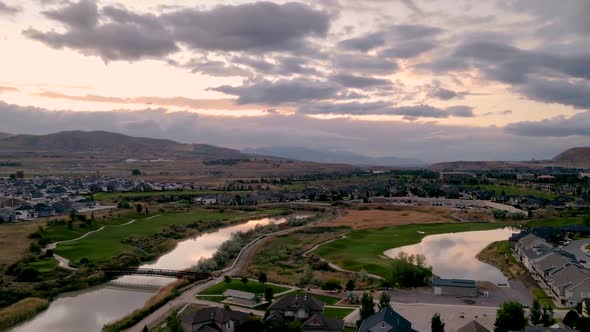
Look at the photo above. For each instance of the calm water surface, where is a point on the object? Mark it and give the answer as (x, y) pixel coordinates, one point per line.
(452, 255)
(90, 310)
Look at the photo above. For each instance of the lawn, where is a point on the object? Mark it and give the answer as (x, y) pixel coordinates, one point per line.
(337, 312)
(364, 249)
(45, 265)
(106, 244)
(236, 284)
(516, 191)
(329, 300)
(556, 222)
(543, 298)
(61, 232)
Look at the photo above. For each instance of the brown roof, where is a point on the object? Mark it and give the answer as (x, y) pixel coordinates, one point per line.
(473, 326)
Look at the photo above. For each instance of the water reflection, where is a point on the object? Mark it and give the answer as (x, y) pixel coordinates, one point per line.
(91, 309)
(452, 255)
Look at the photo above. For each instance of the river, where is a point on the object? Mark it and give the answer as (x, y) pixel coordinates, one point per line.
(89, 310)
(453, 255)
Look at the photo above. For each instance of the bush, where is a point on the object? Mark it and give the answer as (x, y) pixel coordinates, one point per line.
(332, 284)
(409, 271)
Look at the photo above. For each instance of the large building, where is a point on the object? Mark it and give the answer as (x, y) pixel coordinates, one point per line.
(454, 287)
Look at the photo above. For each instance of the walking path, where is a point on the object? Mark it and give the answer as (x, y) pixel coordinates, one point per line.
(64, 262)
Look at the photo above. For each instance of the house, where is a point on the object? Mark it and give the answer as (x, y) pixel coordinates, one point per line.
(586, 307)
(456, 176)
(44, 210)
(25, 212)
(193, 319)
(7, 215)
(583, 175)
(11, 203)
(307, 310)
(240, 297)
(454, 287)
(386, 320)
(473, 326)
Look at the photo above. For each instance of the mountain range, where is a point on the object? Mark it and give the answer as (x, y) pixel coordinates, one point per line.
(333, 157)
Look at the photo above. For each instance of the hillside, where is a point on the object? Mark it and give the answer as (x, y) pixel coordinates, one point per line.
(579, 156)
(481, 166)
(4, 135)
(112, 143)
(336, 157)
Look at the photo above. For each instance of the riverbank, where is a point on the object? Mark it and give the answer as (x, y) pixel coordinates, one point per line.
(86, 276)
(21, 311)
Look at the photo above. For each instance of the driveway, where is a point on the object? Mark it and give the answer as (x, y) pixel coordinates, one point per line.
(578, 249)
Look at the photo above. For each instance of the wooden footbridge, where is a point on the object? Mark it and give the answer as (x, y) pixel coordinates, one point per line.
(124, 271)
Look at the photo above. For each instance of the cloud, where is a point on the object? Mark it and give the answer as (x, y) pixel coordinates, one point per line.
(385, 108)
(281, 91)
(408, 49)
(8, 10)
(560, 126)
(361, 82)
(364, 64)
(575, 93)
(122, 36)
(252, 26)
(8, 89)
(115, 33)
(363, 43)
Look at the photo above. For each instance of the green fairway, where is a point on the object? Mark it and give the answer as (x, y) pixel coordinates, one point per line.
(235, 284)
(556, 222)
(515, 191)
(364, 249)
(339, 313)
(45, 265)
(61, 232)
(106, 244)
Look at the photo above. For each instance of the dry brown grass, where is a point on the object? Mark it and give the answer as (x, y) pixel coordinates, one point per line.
(391, 216)
(14, 241)
(21, 311)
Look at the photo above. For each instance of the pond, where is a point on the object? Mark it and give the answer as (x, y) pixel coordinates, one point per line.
(91, 309)
(453, 255)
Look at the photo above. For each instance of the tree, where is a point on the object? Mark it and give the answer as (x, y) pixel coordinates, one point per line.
(547, 317)
(269, 294)
(536, 315)
(384, 301)
(145, 329)
(135, 172)
(367, 306)
(332, 284)
(262, 278)
(227, 279)
(251, 325)
(350, 285)
(437, 324)
(510, 317)
(138, 208)
(70, 223)
(571, 319)
(173, 323)
(244, 280)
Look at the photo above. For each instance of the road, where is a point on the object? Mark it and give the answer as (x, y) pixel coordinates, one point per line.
(578, 249)
(189, 296)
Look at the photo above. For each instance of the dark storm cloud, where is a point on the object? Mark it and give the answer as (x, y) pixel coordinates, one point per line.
(561, 126)
(385, 108)
(565, 92)
(252, 26)
(115, 33)
(8, 10)
(281, 91)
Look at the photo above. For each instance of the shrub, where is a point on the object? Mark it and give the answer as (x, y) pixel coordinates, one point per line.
(21, 311)
(332, 284)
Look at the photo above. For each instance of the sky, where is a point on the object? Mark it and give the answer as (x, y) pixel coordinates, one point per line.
(437, 80)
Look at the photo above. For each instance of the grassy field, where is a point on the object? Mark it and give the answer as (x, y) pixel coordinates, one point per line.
(252, 287)
(516, 191)
(106, 244)
(337, 312)
(14, 241)
(364, 249)
(555, 222)
(21, 311)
